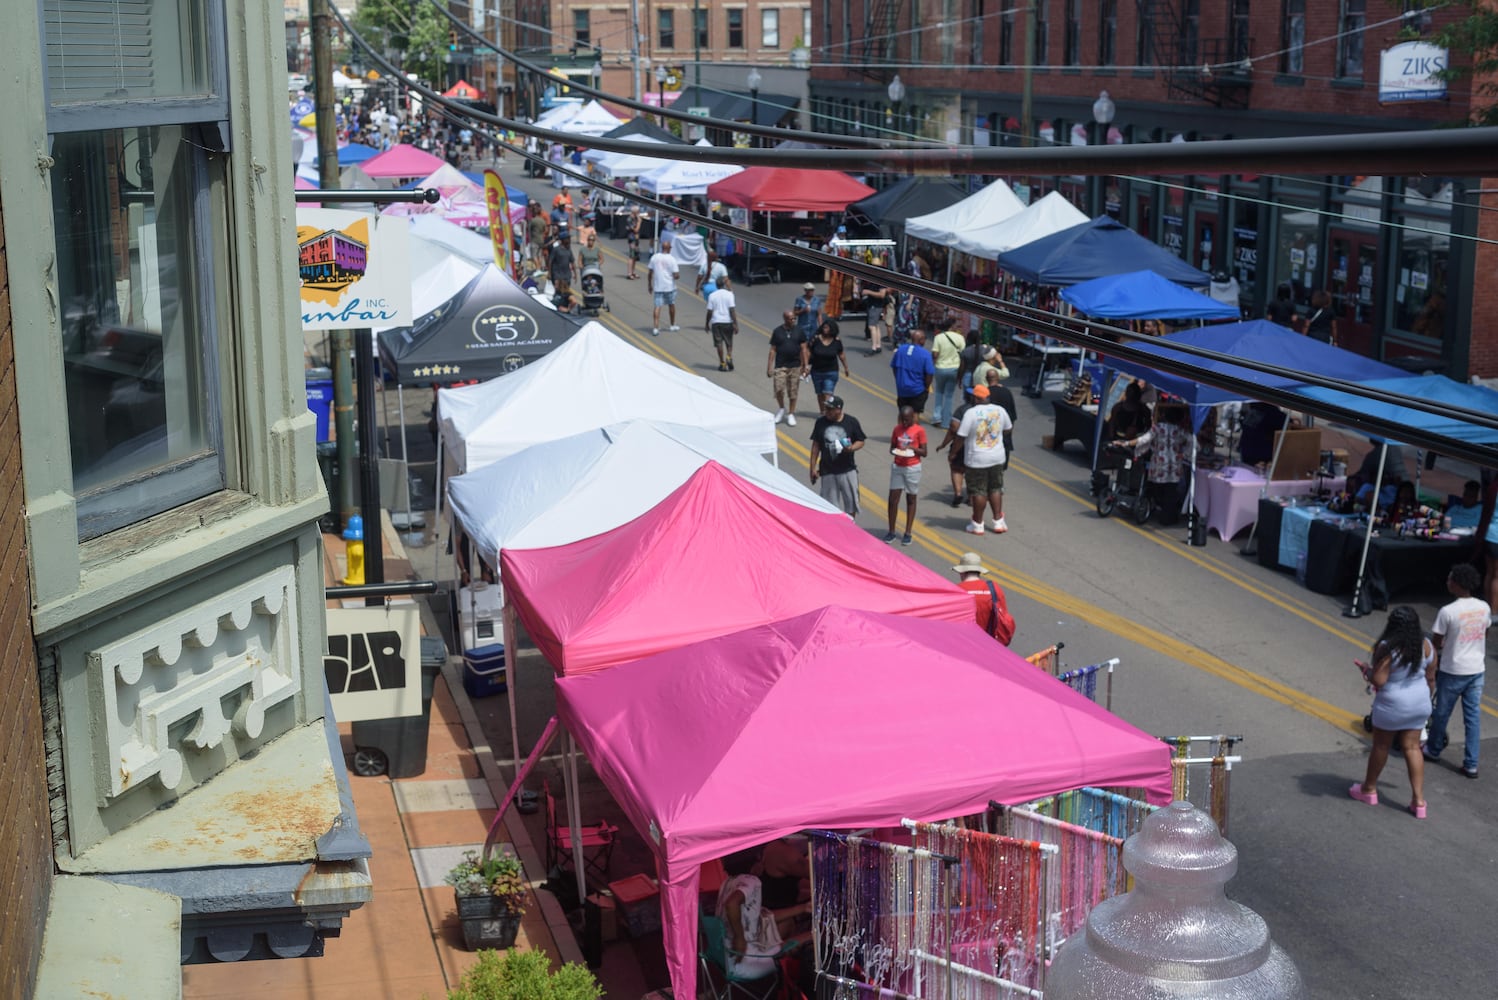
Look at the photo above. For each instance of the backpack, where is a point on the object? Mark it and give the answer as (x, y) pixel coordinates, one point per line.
(1001, 622)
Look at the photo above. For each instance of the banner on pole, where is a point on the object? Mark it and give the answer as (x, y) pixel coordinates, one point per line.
(355, 270)
(373, 665)
(500, 233)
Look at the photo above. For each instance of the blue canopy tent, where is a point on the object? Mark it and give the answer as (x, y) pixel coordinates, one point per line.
(1253, 340)
(1433, 388)
(1143, 295)
(1094, 249)
(355, 152)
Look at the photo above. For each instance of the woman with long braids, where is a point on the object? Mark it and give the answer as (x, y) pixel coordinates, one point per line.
(1401, 668)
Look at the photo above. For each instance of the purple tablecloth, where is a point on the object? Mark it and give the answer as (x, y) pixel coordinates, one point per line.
(1229, 498)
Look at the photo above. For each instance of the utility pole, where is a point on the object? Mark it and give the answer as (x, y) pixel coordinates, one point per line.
(697, 50)
(327, 168)
(634, 48)
(1027, 91)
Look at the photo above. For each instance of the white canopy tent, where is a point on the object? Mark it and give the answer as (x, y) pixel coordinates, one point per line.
(680, 177)
(561, 112)
(564, 490)
(610, 165)
(1050, 214)
(592, 119)
(975, 213)
(594, 379)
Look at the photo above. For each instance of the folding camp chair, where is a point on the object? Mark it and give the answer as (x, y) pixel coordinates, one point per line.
(598, 841)
(713, 955)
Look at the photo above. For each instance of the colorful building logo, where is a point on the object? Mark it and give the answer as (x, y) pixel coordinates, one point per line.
(331, 260)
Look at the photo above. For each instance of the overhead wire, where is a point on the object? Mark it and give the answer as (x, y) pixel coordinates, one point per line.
(1044, 323)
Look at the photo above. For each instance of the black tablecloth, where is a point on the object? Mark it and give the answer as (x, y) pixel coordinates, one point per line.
(1267, 534)
(1073, 423)
(1401, 565)
(1332, 557)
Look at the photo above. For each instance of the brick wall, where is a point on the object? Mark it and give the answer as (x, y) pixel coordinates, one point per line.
(25, 837)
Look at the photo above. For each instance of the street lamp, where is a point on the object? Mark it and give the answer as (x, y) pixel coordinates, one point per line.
(597, 74)
(754, 81)
(660, 91)
(896, 96)
(1103, 110)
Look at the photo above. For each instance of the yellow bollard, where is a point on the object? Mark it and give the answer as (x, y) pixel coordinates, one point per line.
(353, 548)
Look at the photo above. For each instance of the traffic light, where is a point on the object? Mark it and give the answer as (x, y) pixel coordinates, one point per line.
(452, 39)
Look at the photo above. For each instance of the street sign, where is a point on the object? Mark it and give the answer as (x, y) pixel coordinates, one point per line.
(695, 132)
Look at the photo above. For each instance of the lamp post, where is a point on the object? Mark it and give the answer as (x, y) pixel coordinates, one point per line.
(660, 91)
(597, 74)
(896, 96)
(754, 81)
(1103, 110)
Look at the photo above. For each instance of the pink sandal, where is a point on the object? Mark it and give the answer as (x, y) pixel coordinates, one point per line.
(1418, 811)
(1356, 791)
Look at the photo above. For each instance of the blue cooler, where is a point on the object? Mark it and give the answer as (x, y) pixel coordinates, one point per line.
(484, 670)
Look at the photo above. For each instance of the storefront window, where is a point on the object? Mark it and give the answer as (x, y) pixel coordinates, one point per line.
(1174, 219)
(1246, 248)
(1298, 246)
(1420, 277)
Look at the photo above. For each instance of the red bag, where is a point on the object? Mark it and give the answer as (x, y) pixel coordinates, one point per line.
(1001, 622)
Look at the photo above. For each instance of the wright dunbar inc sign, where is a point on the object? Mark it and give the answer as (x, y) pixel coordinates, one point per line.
(355, 270)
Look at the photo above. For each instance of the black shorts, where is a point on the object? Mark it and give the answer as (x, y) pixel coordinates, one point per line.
(918, 403)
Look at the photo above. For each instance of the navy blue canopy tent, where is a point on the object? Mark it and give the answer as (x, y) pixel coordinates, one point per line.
(1143, 295)
(1252, 340)
(1094, 249)
(906, 199)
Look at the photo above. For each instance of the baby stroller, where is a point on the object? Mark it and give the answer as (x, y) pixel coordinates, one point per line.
(590, 282)
(1123, 485)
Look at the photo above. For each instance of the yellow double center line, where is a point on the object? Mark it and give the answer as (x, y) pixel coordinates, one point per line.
(1017, 582)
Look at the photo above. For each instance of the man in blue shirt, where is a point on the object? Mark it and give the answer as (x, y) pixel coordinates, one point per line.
(914, 371)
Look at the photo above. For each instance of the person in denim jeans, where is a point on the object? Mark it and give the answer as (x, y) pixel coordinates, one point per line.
(1461, 635)
(946, 350)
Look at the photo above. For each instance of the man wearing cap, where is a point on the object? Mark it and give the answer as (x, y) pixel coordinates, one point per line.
(834, 439)
(991, 361)
(808, 310)
(982, 433)
(723, 322)
(660, 276)
(989, 606)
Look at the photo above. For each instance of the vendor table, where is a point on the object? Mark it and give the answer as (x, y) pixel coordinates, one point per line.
(1333, 544)
(1047, 348)
(1074, 423)
(1228, 498)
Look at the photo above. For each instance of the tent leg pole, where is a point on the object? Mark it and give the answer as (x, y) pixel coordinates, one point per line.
(1192, 517)
(1251, 547)
(400, 402)
(575, 816)
(1355, 610)
(507, 625)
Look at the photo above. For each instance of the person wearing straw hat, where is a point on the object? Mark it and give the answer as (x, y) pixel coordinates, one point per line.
(990, 609)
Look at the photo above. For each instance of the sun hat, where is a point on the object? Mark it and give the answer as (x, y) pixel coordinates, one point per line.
(989, 351)
(809, 287)
(970, 562)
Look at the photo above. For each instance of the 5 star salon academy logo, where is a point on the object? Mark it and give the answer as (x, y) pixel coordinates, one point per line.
(503, 326)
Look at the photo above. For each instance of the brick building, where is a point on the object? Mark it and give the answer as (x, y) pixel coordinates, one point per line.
(1395, 253)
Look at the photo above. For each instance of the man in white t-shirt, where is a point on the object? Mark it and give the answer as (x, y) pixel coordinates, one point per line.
(982, 433)
(661, 275)
(1461, 635)
(723, 322)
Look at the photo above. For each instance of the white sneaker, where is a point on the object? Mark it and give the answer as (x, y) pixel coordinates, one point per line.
(673, 328)
(780, 415)
(973, 528)
(655, 331)
(1000, 527)
(790, 420)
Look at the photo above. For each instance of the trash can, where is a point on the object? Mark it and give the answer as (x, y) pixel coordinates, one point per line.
(320, 399)
(398, 747)
(327, 464)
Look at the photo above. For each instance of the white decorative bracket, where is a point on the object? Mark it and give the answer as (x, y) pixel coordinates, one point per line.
(219, 666)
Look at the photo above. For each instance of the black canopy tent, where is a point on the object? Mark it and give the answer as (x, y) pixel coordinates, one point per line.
(489, 328)
(637, 127)
(882, 213)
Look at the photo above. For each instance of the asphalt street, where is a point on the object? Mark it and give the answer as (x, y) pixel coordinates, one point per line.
(1370, 902)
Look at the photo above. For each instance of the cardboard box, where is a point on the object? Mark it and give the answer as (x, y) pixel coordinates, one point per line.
(608, 914)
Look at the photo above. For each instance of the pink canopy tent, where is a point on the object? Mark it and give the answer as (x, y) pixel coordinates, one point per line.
(716, 556)
(403, 160)
(836, 718)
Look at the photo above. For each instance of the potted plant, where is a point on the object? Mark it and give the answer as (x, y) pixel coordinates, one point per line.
(491, 899)
(524, 975)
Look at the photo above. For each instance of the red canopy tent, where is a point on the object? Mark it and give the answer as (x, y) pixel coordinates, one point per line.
(716, 556)
(463, 90)
(788, 189)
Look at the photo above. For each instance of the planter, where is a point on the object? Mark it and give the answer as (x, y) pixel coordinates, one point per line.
(488, 922)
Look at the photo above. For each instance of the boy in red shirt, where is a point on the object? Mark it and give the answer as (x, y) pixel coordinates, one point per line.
(908, 445)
